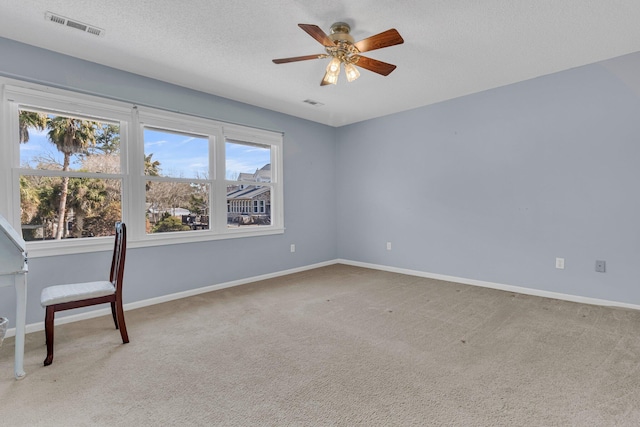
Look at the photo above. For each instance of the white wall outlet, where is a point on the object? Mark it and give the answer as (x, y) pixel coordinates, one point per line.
(560, 263)
(388, 246)
(293, 247)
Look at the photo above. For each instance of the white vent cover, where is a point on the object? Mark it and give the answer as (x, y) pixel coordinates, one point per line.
(58, 19)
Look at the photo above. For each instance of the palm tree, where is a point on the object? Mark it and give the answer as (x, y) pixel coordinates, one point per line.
(29, 197)
(30, 119)
(71, 136)
(151, 167)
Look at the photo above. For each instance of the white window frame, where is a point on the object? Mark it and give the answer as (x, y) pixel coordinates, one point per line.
(132, 119)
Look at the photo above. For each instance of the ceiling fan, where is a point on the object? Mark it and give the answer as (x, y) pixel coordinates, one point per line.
(341, 48)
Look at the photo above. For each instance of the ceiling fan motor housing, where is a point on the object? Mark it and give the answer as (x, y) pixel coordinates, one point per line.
(340, 32)
(344, 48)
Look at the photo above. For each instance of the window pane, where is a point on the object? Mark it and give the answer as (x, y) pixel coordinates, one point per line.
(247, 162)
(91, 209)
(177, 206)
(248, 205)
(50, 141)
(176, 155)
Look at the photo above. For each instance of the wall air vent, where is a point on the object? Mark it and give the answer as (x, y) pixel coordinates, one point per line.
(58, 19)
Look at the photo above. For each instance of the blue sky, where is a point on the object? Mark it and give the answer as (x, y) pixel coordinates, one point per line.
(179, 155)
(38, 147)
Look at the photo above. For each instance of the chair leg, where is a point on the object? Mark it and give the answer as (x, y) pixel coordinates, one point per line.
(123, 326)
(48, 328)
(113, 313)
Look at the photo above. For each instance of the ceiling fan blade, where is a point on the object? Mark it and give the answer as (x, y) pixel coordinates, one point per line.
(388, 38)
(317, 33)
(374, 65)
(299, 58)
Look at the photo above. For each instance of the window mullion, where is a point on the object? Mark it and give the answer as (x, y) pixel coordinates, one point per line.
(136, 210)
(9, 160)
(219, 199)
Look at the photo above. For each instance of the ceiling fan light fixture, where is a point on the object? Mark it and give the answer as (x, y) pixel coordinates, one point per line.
(334, 66)
(330, 78)
(352, 72)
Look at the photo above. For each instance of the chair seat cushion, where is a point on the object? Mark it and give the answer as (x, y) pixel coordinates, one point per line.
(74, 292)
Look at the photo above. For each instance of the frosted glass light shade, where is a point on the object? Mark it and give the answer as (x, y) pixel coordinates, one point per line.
(330, 78)
(352, 72)
(334, 66)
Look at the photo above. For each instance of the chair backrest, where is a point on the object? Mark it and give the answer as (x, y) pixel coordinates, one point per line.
(119, 254)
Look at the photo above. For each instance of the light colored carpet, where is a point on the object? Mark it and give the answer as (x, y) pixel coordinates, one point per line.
(337, 346)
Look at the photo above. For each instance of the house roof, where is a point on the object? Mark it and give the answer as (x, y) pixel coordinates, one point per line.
(248, 192)
(260, 175)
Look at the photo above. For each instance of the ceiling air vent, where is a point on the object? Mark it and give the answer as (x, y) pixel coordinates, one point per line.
(312, 102)
(58, 19)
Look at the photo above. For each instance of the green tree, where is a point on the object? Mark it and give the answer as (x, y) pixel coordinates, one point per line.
(169, 223)
(197, 204)
(30, 119)
(100, 223)
(29, 200)
(46, 191)
(71, 136)
(86, 196)
(107, 139)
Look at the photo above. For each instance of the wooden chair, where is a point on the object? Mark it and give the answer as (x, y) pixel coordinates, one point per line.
(66, 297)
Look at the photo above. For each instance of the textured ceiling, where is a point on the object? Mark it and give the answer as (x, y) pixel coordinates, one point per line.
(452, 47)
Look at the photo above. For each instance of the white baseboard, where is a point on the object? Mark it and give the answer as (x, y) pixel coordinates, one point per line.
(33, 327)
(499, 286)
(39, 326)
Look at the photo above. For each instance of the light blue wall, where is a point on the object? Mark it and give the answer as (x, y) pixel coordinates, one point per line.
(492, 186)
(496, 185)
(309, 150)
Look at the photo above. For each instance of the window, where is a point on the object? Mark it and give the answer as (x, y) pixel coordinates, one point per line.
(69, 175)
(77, 164)
(248, 173)
(177, 164)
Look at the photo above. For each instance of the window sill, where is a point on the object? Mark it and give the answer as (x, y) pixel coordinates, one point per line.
(39, 249)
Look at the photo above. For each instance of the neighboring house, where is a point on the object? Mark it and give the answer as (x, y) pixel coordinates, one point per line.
(260, 175)
(250, 203)
(155, 214)
(247, 203)
(172, 211)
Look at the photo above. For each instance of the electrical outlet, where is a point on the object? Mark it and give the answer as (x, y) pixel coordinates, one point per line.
(560, 263)
(293, 247)
(601, 266)
(388, 246)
